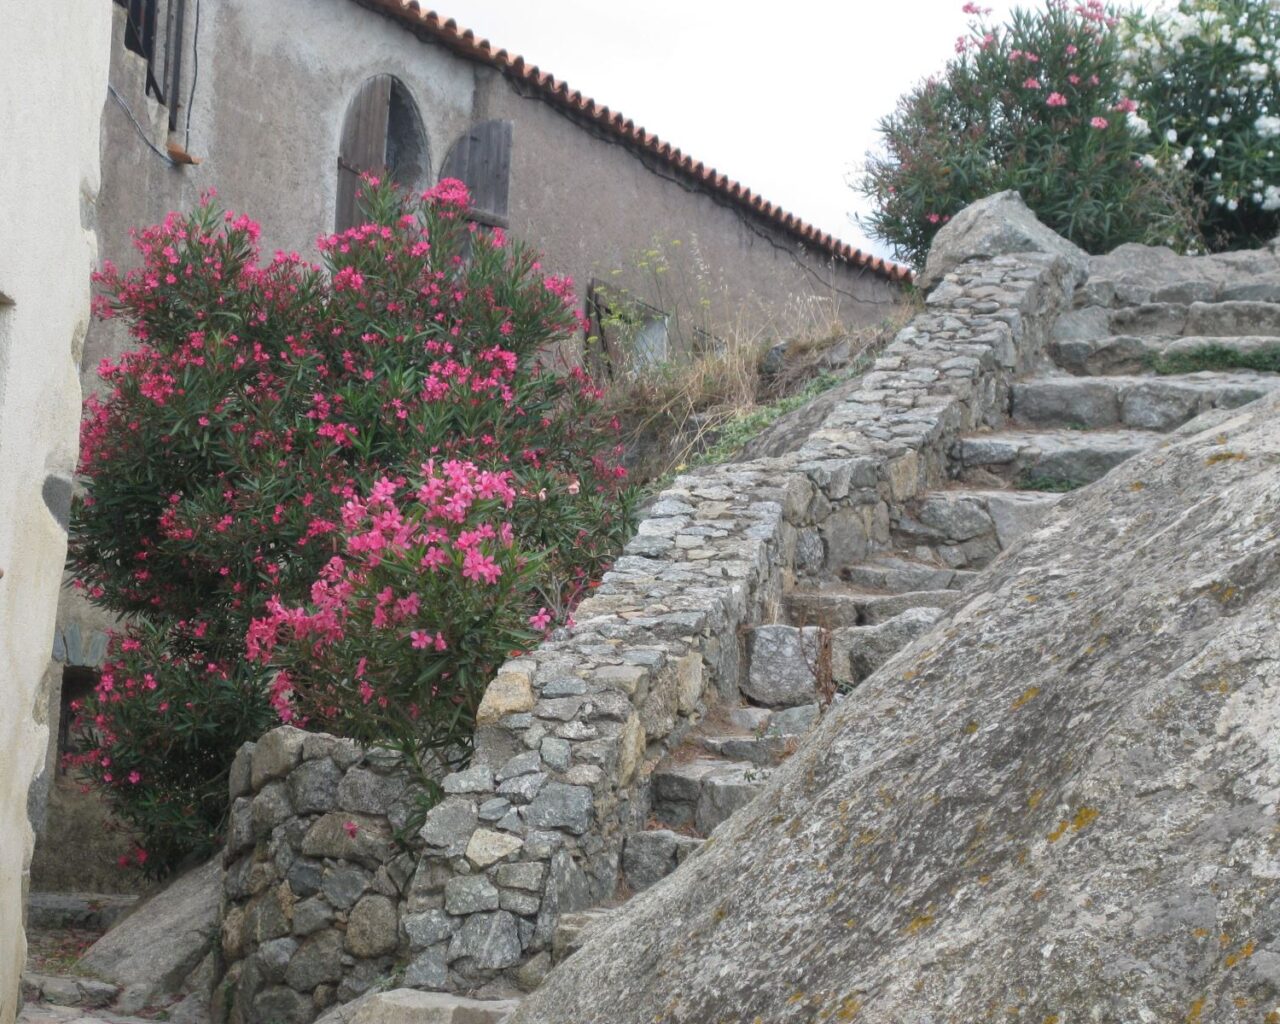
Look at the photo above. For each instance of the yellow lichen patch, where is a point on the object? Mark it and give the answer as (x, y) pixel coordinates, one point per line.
(867, 837)
(1243, 953)
(1053, 1018)
(1085, 817)
(1240, 1002)
(1028, 695)
(1197, 1009)
(849, 1008)
(1272, 1018)
(1137, 485)
(984, 879)
(796, 997)
(1039, 894)
(1217, 457)
(909, 675)
(1033, 801)
(1032, 598)
(1201, 933)
(970, 728)
(1060, 831)
(918, 924)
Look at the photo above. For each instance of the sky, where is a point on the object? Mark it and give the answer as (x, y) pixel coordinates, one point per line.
(784, 97)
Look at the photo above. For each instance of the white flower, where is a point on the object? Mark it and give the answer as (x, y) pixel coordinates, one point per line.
(1137, 125)
(1232, 205)
(1171, 136)
(1257, 72)
(1187, 154)
(1213, 121)
(1257, 198)
(1220, 200)
(1209, 152)
(1147, 161)
(1271, 198)
(1246, 46)
(1267, 126)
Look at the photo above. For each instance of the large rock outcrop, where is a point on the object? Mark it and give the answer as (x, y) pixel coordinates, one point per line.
(151, 953)
(1057, 806)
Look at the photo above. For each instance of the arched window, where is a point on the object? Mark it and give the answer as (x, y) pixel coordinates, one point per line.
(482, 159)
(382, 134)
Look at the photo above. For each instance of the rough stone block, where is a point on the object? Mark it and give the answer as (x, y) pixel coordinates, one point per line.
(783, 665)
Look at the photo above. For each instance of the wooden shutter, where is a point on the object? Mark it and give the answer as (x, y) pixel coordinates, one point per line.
(482, 159)
(363, 147)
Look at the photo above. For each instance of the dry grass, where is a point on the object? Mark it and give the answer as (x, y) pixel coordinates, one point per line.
(701, 408)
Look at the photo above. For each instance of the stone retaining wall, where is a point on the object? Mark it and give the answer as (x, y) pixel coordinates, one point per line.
(567, 734)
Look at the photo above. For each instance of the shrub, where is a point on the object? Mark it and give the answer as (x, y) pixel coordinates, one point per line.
(404, 629)
(1034, 105)
(1207, 74)
(263, 405)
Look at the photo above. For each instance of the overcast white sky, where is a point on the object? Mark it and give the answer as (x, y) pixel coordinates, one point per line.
(784, 97)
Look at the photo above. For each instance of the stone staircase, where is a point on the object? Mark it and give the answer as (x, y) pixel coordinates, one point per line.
(1093, 402)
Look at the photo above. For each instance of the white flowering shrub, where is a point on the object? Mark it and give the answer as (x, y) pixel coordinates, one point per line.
(1206, 76)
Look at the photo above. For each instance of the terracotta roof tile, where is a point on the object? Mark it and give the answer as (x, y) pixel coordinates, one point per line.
(465, 43)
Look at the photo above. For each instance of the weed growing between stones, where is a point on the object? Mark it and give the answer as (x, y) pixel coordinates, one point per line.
(1217, 357)
(364, 468)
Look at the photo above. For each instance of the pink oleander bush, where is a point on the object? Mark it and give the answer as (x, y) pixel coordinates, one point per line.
(1043, 104)
(335, 494)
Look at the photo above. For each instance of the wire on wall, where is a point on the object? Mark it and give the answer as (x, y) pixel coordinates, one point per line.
(142, 133)
(195, 75)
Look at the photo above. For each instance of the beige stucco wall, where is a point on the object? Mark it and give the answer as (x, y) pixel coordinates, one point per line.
(52, 84)
(274, 83)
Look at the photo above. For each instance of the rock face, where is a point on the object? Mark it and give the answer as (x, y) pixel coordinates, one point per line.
(1060, 806)
(152, 951)
(1000, 223)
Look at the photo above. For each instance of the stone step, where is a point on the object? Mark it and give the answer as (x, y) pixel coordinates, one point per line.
(845, 606)
(967, 528)
(1047, 459)
(857, 651)
(573, 929)
(758, 735)
(1204, 319)
(91, 911)
(1142, 403)
(651, 855)
(692, 790)
(894, 572)
(1127, 353)
(62, 990)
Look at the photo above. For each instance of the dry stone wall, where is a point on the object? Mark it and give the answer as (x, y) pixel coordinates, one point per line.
(322, 899)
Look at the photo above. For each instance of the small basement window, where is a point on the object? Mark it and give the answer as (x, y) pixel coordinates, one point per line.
(382, 134)
(77, 685)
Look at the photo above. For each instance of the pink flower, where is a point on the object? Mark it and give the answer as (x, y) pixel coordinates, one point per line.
(1056, 99)
(933, 218)
(1073, 79)
(421, 639)
(351, 828)
(135, 777)
(541, 620)
(1126, 106)
(1099, 122)
(1031, 83)
(1072, 49)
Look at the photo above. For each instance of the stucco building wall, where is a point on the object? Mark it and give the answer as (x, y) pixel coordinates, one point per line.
(275, 78)
(52, 83)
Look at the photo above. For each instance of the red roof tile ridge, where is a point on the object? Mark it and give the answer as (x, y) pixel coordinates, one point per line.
(464, 42)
